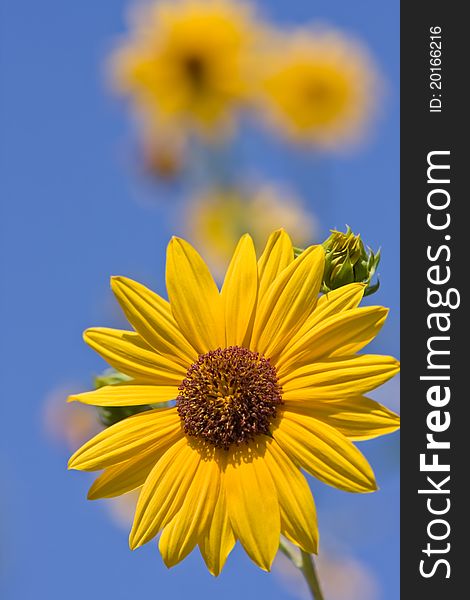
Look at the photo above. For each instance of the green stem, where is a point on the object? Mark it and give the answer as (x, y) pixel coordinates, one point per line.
(311, 577)
(304, 562)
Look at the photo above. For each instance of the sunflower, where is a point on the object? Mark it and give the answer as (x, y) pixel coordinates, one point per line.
(216, 218)
(267, 381)
(188, 62)
(319, 87)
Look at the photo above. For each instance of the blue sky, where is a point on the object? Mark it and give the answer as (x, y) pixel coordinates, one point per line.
(69, 220)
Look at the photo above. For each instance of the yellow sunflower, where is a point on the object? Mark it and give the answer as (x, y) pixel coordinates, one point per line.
(216, 218)
(267, 381)
(318, 87)
(188, 61)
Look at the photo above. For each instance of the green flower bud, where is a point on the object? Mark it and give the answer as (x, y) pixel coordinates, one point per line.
(110, 377)
(347, 261)
(109, 415)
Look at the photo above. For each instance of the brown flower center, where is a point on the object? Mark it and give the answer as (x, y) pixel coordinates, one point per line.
(229, 396)
(195, 68)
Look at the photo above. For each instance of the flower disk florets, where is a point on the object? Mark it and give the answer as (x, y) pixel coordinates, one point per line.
(229, 396)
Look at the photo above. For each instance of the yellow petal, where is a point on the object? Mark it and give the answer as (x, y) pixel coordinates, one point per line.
(298, 514)
(127, 395)
(357, 418)
(252, 503)
(181, 535)
(164, 491)
(152, 318)
(128, 475)
(335, 378)
(128, 438)
(218, 539)
(288, 302)
(127, 352)
(328, 305)
(277, 255)
(195, 300)
(344, 298)
(324, 452)
(239, 292)
(342, 334)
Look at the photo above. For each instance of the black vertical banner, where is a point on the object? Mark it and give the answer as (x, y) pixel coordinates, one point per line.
(435, 269)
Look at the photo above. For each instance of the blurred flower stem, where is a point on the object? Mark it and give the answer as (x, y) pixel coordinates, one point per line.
(304, 562)
(216, 162)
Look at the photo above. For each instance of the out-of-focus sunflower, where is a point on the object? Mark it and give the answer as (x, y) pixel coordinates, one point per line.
(343, 577)
(216, 219)
(121, 509)
(163, 152)
(188, 62)
(267, 381)
(318, 87)
(71, 424)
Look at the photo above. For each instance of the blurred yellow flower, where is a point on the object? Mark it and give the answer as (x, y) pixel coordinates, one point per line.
(68, 423)
(216, 219)
(188, 61)
(267, 381)
(343, 577)
(318, 87)
(121, 509)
